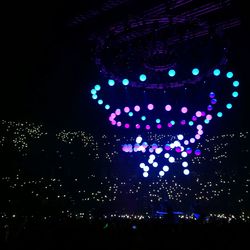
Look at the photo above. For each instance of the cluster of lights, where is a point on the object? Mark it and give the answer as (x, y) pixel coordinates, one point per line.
(112, 190)
(21, 132)
(141, 121)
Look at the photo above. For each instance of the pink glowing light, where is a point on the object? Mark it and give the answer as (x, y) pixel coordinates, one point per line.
(209, 117)
(126, 109)
(113, 122)
(197, 136)
(199, 126)
(183, 122)
(147, 127)
(168, 107)
(118, 112)
(200, 132)
(126, 125)
(118, 124)
(150, 106)
(194, 118)
(113, 115)
(184, 110)
(186, 142)
(198, 114)
(170, 125)
(137, 108)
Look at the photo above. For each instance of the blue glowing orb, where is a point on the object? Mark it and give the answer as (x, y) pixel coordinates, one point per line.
(125, 82)
(216, 72)
(195, 71)
(229, 106)
(236, 83)
(230, 74)
(111, 82)
(235, 94)
(171, 72)
(143, 77)
(97, 87)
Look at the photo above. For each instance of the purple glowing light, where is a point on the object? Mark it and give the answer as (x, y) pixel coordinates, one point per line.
(126, 109)
(184, 110)
(126, 125)
(209, 107)
(178, 149)
(137, 108)
(189, 151)
(147, 127)
(167, 147)
(170, 125)
(113, 122)
(213, 101)
(137, 126)
(183, 122)
(203, 113)
(150, 106)
(197, 152)
(212, 95)
(168, 107)
(194, 118)
(159, 126)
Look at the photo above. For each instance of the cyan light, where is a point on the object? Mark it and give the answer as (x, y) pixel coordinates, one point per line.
(94, 96)
(219, 114)
(93, 91)
(230, 74)
(172, 122)
(143, 118)
(130, 114)
(125, 82)
(195, 71)
(206, 121)
(229, 106)
(236, 83)
(97, 87)
(171, 72)
(107, 106)
(143, 77)
(111, 82)
(216, 72)
(157, 120)
(100, 101)
(190, 123)
(235, 94)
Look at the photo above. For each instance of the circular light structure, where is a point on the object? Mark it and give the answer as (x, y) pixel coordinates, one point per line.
(94, 96)
(150, 106)
(145, 174)
(93, 91)
(165, 168)
(230, 74)
(184, 164)
(236, 83)
(186, 171)
(143, 78)
(216, 72)
(157, 120)
(229, 106)
(171, 73)
(171, 159)
(235, 94)
(195, 71)
(125, 82)
(107, 106)
(100, 101)
(161, 173)
(219, 114)
(137, 108)
(184, 110)
(111, 82)
(168, 107)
